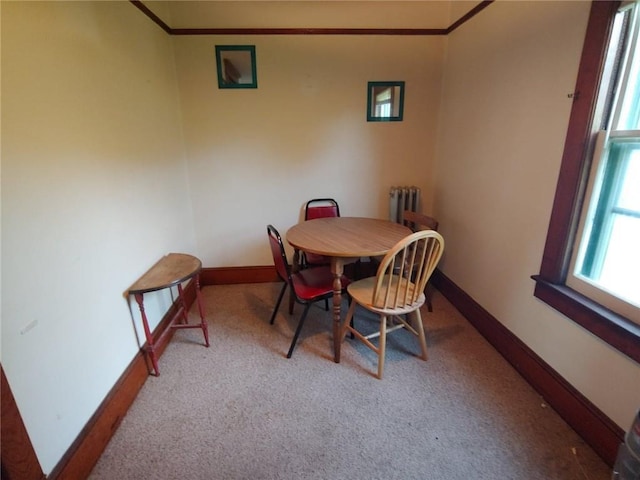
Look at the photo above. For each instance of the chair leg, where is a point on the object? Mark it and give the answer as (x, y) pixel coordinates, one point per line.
(428, 293)
(348, 322)
(421, 336)
(300, 323)
(275, 310)
(429, 305)
(353, 317)
(382, 346)
(292, 302)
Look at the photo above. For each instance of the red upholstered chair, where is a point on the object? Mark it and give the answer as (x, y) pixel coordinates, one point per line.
(321, 208)
(307, 286)
(318, 208)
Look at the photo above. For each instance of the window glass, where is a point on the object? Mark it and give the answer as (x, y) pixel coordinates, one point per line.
(629, 115)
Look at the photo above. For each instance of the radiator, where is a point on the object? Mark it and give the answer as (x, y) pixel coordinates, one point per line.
(401, 199)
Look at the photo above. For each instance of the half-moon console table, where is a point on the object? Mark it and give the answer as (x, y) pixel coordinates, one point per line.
(171, 270)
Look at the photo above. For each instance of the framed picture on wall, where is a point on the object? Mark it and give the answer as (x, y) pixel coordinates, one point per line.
(236, 66)
(385, 101)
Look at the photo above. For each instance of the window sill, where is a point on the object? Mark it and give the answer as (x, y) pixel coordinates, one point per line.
(619, 332)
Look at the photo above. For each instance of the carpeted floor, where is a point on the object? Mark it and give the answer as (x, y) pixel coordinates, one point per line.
(241, 410)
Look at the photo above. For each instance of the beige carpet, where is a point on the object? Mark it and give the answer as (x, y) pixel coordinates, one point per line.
(241, 410)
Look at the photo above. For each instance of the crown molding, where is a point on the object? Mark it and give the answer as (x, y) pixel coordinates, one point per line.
(312, 31)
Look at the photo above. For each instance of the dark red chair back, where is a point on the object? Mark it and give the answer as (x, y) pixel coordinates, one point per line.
(321, 208)
(279, 255)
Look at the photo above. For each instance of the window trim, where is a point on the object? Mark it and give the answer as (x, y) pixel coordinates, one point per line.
(618, 331)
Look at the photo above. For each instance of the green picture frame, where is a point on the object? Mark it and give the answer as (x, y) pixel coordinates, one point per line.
(236, 65)
(385, 101)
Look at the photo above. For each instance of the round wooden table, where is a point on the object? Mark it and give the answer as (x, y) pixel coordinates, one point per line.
(344, 240)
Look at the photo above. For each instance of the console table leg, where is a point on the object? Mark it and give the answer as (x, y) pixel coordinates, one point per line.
(183, 304)
(147, 334)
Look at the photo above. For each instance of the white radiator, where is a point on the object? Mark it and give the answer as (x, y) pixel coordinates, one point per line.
(401, 199)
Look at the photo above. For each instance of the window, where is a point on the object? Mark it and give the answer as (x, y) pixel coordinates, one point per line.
(607, 260)
(590, 269)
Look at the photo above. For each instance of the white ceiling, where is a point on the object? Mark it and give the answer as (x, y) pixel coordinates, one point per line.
(414, 14)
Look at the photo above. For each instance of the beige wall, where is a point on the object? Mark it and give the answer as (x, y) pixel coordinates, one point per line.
(94, 191)
(255, 156)
(505, 112)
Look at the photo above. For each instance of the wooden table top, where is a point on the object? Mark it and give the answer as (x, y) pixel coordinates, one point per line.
(170, 270)
(346, 236)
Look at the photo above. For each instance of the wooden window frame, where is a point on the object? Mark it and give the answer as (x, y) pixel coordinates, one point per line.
(618, 331)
